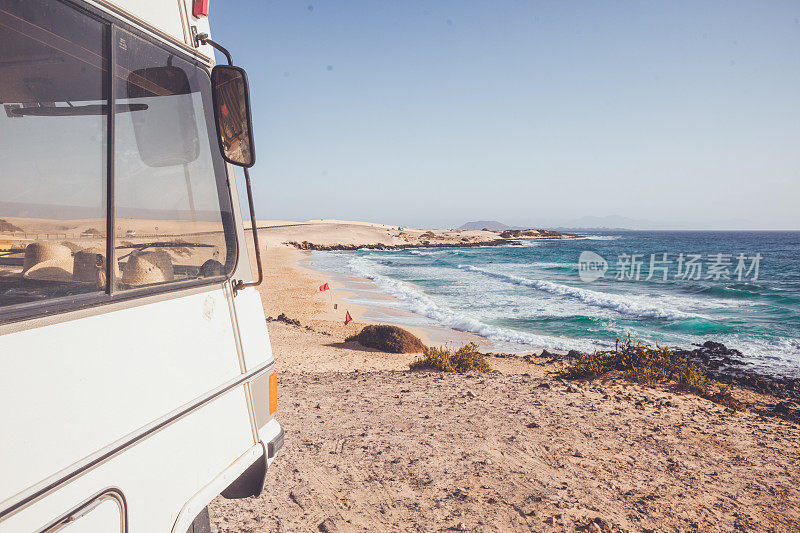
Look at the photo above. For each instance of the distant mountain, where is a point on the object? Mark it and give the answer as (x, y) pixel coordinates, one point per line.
(617, 222)
(481, 224)
(608, 222)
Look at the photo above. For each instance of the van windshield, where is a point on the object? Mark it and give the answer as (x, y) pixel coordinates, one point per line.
(172, 207)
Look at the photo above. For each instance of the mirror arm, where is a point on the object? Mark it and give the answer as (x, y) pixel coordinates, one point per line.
(239, 283)
(202, 38)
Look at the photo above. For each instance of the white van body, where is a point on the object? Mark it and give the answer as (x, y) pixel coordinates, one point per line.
(132, 411)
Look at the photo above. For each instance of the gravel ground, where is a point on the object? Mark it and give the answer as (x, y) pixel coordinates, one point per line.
(401, 450)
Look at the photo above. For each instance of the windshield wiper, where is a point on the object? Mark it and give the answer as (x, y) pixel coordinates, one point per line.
(159, 244)
(79, 110)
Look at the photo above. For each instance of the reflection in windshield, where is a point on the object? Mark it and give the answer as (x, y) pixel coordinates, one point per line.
(168, 214)
(52, 154)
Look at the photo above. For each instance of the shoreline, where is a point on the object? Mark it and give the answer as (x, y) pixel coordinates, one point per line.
(718, 361)
(353, 290)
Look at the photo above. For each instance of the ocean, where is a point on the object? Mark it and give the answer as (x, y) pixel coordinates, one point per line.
(671, 288)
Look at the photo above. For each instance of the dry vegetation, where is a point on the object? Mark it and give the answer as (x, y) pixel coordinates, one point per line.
(645, 365)
(448, 359)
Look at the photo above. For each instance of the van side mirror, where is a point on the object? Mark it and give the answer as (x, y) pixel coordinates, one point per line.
(232, 115)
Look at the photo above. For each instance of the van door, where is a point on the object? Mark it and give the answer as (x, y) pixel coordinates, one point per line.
(257, 352)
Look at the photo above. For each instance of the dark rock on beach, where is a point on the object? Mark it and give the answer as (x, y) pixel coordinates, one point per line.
(572, 354)
(294, 322)
(726, 366)
(390, 339)
(285, 319)
(713, 355)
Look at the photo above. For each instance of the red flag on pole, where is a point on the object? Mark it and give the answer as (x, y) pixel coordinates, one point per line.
(347, 318)
(324, 287)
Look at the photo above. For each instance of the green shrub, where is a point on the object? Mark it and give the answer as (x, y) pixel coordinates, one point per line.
(643, 364)
(447, 359)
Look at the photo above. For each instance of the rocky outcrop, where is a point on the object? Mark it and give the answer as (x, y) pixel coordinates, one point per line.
(305, 245)
(536, 234)
(725, 365)
(713, 356)
(431, 240)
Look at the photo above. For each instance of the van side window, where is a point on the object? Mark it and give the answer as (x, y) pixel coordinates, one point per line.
(64, 75)
(53, 92)
(173, 213)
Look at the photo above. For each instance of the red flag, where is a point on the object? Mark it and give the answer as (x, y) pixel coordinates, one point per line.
(324, 287)
(347, 318)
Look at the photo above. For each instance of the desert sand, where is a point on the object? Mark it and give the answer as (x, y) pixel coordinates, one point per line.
(372, 446)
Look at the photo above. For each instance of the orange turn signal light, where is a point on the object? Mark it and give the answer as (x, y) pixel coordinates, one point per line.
(273, 393)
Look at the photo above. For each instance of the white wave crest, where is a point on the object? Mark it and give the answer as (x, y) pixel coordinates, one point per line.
(427, 251)
(422, 304)
(598, 238)
(620, 304)
(552, 265)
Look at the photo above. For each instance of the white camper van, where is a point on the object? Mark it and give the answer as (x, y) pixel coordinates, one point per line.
(136, 375)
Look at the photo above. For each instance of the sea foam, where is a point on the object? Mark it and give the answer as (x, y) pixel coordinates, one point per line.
(423, 304)
(621, 304)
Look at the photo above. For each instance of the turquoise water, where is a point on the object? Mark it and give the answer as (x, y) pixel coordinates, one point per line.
(532, 296)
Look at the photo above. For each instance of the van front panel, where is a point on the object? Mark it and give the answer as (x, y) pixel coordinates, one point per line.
(79, 386)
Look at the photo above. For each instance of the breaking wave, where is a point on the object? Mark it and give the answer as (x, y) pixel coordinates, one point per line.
(422, 304)
(620, 304)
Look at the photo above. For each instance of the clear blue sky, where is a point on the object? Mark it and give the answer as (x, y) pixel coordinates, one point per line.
(432, 113)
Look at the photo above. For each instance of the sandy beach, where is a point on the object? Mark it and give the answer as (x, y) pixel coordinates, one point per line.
(371, 445)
